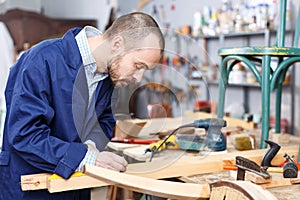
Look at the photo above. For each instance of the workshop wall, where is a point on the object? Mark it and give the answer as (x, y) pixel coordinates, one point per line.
(172, 13)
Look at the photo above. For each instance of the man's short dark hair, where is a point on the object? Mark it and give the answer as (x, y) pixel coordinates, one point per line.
(134, 27)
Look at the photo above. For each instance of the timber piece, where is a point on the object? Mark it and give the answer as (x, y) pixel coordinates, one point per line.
(76, 181)
(295, 180)
(34, 181)
(121, 146)
(160, 188)
(255, 178)
(239, 190)
(207, 163)
(280, 138)
(129, 128)
(142, 129)
(281, 182)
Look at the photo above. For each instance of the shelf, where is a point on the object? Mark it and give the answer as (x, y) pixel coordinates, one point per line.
(216, 82)
(236, 34)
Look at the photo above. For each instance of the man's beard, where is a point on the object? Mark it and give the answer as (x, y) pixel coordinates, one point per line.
(113, 71)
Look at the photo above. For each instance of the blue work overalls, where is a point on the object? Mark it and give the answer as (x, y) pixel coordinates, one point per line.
(48, 117)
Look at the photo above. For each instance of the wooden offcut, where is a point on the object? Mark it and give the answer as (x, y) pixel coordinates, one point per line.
(55, 183)
(34, 181)
(255, 178)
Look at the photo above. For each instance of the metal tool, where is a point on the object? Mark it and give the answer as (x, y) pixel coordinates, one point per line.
(245, 164)
(214, 139)
(290, 168)
(271, 153)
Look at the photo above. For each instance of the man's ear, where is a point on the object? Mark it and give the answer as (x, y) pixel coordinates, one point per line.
(117, 44)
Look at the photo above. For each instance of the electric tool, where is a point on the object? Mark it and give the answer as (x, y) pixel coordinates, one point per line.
(214, 138)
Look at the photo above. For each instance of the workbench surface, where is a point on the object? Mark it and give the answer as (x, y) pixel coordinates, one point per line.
(136, 154)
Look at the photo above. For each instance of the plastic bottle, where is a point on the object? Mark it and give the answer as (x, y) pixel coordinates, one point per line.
(197, 23)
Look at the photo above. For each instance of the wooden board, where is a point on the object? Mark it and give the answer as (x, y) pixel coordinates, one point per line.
(166, 189)
(77, 181)
(192, 165)
(34, 181)
(136, 128)
(121, 146)
(257, 179)
(55, 183)
(233, 190)
(280, 182)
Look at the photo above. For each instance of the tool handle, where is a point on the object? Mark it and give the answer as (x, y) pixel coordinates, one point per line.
(271, 153)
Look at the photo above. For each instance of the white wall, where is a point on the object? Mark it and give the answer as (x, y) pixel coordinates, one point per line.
(30, 5)
(88, 9)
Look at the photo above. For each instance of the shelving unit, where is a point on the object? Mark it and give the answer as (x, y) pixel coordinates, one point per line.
(246, 87)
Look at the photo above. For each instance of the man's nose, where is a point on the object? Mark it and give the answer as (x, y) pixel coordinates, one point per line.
(138, 75)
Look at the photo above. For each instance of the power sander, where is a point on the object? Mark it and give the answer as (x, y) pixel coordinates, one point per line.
(214, 138)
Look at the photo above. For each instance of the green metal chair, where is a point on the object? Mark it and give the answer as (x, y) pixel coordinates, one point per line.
(268, 79)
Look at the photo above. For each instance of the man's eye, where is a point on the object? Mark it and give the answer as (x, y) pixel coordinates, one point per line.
(138, 67)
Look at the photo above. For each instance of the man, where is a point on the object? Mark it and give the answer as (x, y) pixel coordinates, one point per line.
(58, 95)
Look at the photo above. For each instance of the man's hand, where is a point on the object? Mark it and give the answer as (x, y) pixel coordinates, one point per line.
(111, 161)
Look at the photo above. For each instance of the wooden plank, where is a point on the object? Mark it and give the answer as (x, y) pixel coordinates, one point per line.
(254, 178)
(161, 126)
(193, 165)
(280, 182)
(34, 181)
(76, 181)
(121, 146)
(160, 188)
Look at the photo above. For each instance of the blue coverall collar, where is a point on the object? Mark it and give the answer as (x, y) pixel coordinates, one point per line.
(71, 50)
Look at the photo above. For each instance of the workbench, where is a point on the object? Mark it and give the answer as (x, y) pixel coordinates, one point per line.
(134, 153)
(187, 166)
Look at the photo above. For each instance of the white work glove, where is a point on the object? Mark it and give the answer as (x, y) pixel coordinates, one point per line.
(91, 145)
(111, 161)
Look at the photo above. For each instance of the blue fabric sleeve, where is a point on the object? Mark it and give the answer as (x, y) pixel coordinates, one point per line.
(29, 122)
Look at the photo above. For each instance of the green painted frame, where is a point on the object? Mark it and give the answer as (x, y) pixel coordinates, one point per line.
(268, 79)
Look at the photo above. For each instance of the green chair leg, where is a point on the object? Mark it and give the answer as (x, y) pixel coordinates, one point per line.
(278, 109)
(222, 90)
(265, 100)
